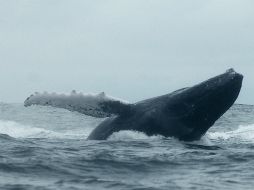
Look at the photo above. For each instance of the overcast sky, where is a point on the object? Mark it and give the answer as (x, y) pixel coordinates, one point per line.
(131, 49)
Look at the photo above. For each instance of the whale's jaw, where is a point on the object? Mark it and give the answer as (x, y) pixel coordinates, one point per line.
(198, 107)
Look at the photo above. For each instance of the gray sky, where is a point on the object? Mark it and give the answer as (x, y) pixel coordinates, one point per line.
(131, 49)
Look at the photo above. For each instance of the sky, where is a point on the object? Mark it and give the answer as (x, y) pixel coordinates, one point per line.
(131, 49)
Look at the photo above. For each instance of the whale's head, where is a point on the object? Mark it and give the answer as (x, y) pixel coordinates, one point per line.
(198, 107)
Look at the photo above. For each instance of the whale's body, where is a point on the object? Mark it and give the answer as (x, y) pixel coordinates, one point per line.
(185, 114)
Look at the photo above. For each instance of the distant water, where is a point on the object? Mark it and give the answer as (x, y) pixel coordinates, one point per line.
(45, 148)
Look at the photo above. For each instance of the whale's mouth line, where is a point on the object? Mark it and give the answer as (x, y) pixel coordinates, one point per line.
(201, 99)
(202, 105)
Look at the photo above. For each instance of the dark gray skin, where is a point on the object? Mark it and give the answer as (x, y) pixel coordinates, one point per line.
(185, 114)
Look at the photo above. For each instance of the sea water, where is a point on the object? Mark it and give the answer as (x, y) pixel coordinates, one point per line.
(46, 148)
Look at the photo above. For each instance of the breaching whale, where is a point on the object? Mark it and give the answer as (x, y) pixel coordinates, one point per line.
(185, 114)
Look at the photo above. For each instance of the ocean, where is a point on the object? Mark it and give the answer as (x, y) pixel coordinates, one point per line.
(45, 148)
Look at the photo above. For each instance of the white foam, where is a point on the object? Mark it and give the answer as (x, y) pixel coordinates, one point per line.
(242, 133)
(203, 141)
(18, 130)
(131, 135)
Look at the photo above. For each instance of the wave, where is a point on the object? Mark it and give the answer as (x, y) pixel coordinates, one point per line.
(242, 133)
(17, 130)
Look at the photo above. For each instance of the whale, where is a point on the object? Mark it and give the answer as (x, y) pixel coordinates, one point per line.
(185, 114)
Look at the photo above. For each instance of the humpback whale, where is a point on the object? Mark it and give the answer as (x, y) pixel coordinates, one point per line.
(185, 114)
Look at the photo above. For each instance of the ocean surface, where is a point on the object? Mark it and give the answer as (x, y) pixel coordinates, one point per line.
(46, 148)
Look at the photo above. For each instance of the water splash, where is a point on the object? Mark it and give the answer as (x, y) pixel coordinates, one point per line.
(18, 130)
(132, 135)
(242, 133)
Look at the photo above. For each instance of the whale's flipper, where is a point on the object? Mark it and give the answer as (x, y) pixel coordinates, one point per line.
(98, 105)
